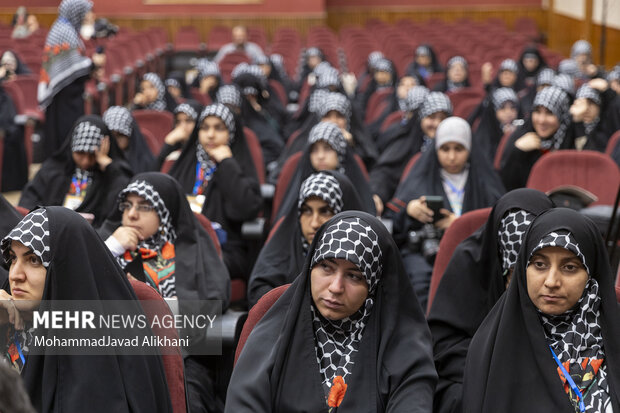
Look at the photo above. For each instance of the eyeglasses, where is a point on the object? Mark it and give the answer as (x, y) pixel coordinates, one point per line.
(139, 207)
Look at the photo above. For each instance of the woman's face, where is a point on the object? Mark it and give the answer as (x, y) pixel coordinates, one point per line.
(266, 69)
(506, 114)
(26, 276)
(323, 157)
(9, 61)
(149, 91)
(174, 91)
(429, 124)
(213, 133)
(145, 222)
(530, 63)
(452, 157)
(383, 78)
(545, 122)
(338, 288)
(335, 117)
(404, 86)
(457, 73)
(187, 123)
(555, 280)
(507, 78)
(122, 141)
(313, 213)
(84, 160)
(423, 60)
(592, 111)
(313, 61)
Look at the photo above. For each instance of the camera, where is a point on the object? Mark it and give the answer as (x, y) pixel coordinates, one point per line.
(425, 241)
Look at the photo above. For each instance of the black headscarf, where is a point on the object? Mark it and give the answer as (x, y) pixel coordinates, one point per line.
(278, 368)
(282, 258)
(414, 68)
(447, 85)
(482, 188)
(471, 285)
(14, 163)
(509, 366)
(527, 78)
(348, 165)
(199, 272)
(52, 182)
(86, 271)
(9, 217)
(119, 119)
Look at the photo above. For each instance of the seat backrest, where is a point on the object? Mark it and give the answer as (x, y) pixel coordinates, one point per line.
(273, 229)
(465, 107)
(151, 141)
(257, 153)
(172, 360)
(280, 91)
(390, 120)
(288, 169)
(612, 143)
(159, 123)
(460, 229)
(256, 313)
(590, 170)
(28, 84)
(374, 103)
(499, 152)
(409, 166)
(206, 224)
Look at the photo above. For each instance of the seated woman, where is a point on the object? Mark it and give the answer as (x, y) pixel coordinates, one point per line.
(336, 323)
(41, 267)
(398, 144)
(457, 75)
(425, 62)
(322, 195)
(595, 117)
(547, 129)
(463, 179)
(207, 82)
(86, 173)
(14, 164)
(216, 171)
(384, 76)
(9, 217)
(326, 150)
(153, 95)
(507, 76)
(185, 116)
(531, 62)
(129, 139)
(554, 336)
(497, 118)
(477, 275)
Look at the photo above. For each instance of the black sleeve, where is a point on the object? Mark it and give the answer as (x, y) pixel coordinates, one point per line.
(515, 166)
(268, 273)
(385, 175)
(32, 194)
(241, 192)
(116, 177)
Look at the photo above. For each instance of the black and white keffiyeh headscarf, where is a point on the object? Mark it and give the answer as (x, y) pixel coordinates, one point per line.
(556, 100)
(545, 77)
(221, 111)
(564, 82)
(330, 133)
(328, 78)
(576, 335)
(316, 99)
(384, 65)
(119, 119)
(373, 58)
(509, 64)
(568, 67)
(436, 102)
(86, 137)
(229, 95)
(510, 235)
(422, 51)
(155, 80)
(187, 109)
(587, 92)
(33, 232)
(415, 98)
(321, 68)
(172, 82)
(63, 61)
(503, 95)
(323, 186)
(207, 68)
(335, 101)
(165, 232)
(614, 75)
(457, 59)
(580, 47)
(337, 341)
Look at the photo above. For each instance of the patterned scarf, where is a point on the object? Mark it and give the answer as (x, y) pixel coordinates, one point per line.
(587, 92)
(159, 103)
(556, 101)
(119, 119)
(337, 341)
(576, 337)
(510, 234)
(157, 251)
(330, 133)
(435, 102)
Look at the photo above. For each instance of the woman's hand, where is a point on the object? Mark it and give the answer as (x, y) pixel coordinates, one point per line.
(578, 109)
(486, 73)
(176, 135)
(139, 99)
(101, 154)
(418, 210)
(220, 153)
(528, 142)
(128, 237)
(348, 137)
(599, 84)
(378, 204)
(9, 312)
(449, 218)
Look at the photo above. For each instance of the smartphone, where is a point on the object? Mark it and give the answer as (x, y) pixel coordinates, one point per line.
(435, 203)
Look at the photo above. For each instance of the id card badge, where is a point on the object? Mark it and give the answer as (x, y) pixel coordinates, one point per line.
(73, 201)
(196, 202)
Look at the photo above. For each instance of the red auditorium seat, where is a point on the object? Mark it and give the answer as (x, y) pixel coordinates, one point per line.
(229, 62)
(206, 224)
(256, 152)
(286, 174)
(188, 39)
(460, 229)
(256, 313)
(497, 160)
(612, 143)
(159, 123)
(590, 170)
(409, 166)
(465, 107)
(279, 90)
(155, 306)
(377, 104)
(154, 145)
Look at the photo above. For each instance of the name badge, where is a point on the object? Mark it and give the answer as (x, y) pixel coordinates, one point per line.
(73, 201)
(196, 202)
